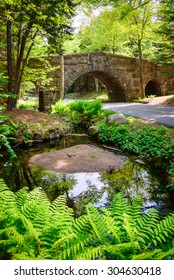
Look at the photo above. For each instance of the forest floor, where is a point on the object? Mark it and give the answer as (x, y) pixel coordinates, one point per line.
(40, 125)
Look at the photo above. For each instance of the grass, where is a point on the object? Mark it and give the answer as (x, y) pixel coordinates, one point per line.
(103, 96)
(28, 103)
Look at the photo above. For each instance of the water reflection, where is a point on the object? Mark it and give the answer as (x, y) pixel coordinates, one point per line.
(99, 188)
(82, 188)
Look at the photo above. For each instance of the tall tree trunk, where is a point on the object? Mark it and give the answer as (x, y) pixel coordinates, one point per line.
(141, 69)
(24, 61)
(20, 57)
(11, 101)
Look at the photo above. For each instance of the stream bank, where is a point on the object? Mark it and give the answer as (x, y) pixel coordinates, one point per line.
(80, 188)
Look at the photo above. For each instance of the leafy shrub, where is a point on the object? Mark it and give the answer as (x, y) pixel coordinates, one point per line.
(60, 107)
(28, 103)
(149, 142)
(34, 228)
(152, 143)
(86, 108)
(6, 131)
(171, 173)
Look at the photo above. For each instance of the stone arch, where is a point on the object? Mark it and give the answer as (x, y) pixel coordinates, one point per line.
(116, 90)
(153, 87)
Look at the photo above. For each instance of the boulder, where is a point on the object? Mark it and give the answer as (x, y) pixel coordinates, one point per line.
(117, 118)
(92, 130)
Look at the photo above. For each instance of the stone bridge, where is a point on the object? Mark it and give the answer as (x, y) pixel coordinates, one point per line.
(119, 74)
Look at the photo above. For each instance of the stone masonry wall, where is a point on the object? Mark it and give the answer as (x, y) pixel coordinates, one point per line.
(119, 74)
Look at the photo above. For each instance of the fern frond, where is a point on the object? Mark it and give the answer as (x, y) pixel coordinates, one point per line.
(128, 225)
(157, 254)
(97, 222)
(123, 251)
(21, 197)
(10, 235)
(118, 207)
(37, 213)
(7, 197)
(29, 227)
(136, 207)
(146, 224)
(38, 195)
(83, 236)
(91, 253)
(61, 212)
(164, 230)
(147, 255)
(111, 228)
(59, 205)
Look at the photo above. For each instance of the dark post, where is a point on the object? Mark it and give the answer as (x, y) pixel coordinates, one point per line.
(41, 101)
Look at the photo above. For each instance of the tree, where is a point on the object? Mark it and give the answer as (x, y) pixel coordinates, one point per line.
(126, 28)
(105, 33)
(25, 20)
(140, 16)
(166, 17)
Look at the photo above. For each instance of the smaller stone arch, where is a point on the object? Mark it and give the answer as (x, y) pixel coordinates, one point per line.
(153, 87)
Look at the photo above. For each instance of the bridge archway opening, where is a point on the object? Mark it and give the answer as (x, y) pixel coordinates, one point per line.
(153, 87)
(86, 84)
(110, 83)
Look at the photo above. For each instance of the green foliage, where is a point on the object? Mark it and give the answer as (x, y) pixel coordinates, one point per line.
(120, 28)
(28, 23)
(78, 112)
(152, 143)
(166, 30)
(23, 131)
(86, 108)
(60, 107)
(171, 173)
(28, 103)
(32, 227)
(6, 129)
(6, 138)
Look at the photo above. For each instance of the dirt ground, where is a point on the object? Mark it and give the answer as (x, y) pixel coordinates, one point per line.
(30, 116)
(80, 158)
(161, 100)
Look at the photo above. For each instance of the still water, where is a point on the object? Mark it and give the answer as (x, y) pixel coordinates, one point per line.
(81, 188)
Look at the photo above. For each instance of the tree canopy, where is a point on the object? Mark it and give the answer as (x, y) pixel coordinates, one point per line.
(25, 21)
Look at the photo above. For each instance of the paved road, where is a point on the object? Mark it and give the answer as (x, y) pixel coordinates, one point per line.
(153, 113)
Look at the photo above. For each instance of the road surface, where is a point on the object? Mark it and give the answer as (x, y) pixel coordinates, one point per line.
(153, 113)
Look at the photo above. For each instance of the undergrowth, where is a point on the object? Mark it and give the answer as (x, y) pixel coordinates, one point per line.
(154, 144)
(32, 227)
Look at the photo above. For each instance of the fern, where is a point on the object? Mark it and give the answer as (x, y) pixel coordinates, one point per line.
(31, 227)
(97, 222)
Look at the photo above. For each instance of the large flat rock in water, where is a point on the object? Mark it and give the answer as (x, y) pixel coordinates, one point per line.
(79, 158)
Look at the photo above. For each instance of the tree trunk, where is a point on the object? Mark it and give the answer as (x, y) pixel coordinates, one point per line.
(11, 101)
(141, 69)
(19, 60)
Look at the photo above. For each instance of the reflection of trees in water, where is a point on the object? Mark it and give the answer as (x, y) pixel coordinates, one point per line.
(132, 179)
(54, 184)
(17, 174)
(90, 195)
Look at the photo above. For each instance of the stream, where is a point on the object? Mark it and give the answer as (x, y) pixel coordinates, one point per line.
(81, 188)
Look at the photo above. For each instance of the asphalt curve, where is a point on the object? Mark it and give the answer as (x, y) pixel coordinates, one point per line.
(153, 113)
